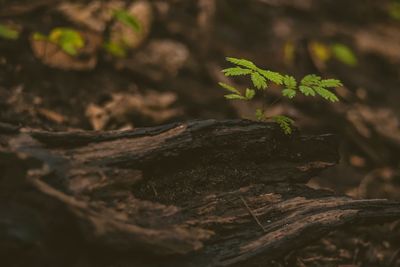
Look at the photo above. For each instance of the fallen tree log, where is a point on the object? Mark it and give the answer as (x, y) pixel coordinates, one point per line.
(203, 193)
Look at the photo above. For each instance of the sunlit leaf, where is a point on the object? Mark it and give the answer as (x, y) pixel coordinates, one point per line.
(290, 93)
(290, 82)
(344, 54)
(306, 90)
(331, 83)
(288, 52)
(271, 76)
(242, 62)
(310, 79)
(230, 88)
(321, 51)
(259, 81)
(326, 94)
(236, 71)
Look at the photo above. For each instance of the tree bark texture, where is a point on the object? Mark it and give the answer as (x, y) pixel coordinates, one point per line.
(202, 193)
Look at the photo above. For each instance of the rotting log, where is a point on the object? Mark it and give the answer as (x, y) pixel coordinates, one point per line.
(202, 193)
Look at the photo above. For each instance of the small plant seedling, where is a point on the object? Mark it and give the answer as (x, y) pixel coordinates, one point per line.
(310, 85)
(69, 40)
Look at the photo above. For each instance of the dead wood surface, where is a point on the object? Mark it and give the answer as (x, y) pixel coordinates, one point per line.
(202, 193)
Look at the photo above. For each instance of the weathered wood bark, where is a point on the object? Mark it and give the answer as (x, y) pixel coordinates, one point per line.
(204, 193)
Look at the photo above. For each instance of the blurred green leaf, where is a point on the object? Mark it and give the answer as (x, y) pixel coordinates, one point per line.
(394, 10)
(124, 17)
(68, 39)
(344, 54)
(8, 33)
(115, 49)
(37, 36)
(320, 50)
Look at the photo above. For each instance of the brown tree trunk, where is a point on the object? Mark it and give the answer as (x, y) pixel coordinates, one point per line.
(203, 193)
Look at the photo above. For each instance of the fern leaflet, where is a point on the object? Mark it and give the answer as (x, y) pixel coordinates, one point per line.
(242, 62)
(284, 122)
(229, 88)
(306, 90)
(236, 71)
(259, 81)
(326, 94)
(250, 93)
(271, 76)
(330, 83)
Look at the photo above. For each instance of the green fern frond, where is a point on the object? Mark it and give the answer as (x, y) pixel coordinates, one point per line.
(272, 76)
(326, 94)
(260, 114)
(313, 84)
(236, 71)
(235, 97)
(250, 93)
(310, 80)
(306, 90)
(310, 85)
(290, 82)
(259, 81)
(330, 83)
(230, 88)
(284, 122)
(242, 62)
(290, 93)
